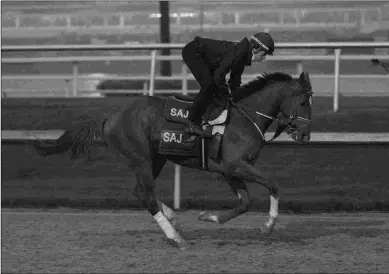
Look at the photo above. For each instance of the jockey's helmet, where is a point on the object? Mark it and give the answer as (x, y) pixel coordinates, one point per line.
(263, 40)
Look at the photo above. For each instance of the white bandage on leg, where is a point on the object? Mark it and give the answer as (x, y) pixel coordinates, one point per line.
(273, 207)
(270, 223)
(168, 212)
(166, 226)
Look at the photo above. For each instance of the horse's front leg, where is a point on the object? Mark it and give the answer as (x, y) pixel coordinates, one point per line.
(238, 186)
(273, 213)
(250, 173)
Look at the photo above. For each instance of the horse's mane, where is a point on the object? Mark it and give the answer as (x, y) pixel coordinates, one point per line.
(259, 83)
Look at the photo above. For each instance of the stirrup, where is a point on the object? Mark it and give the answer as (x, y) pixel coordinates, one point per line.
(196, 129)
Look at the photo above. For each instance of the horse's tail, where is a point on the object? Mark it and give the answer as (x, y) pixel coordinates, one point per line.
(78, 142)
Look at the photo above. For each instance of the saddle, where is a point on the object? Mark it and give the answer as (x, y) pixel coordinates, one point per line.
(173, 138)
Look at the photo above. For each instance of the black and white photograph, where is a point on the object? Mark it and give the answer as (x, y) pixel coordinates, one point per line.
(195, 136)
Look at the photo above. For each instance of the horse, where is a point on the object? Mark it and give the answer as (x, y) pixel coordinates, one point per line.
(149, 131)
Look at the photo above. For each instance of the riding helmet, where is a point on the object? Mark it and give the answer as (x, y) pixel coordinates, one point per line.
(263, 40)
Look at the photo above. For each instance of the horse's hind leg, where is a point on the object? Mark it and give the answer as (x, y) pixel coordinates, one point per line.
(146, 170)
(146, 186)
(159, 162)
(171, 216)
(239, 187)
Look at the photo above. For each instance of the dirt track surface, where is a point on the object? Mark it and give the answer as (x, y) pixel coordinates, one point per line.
(130, 241)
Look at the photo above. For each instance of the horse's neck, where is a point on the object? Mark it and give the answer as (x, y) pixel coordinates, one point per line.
(266, 101)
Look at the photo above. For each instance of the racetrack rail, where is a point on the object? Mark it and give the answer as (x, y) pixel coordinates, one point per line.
(317, 138)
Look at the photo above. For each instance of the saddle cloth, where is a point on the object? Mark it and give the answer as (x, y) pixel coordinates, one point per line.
(174, 140)
(178, 107)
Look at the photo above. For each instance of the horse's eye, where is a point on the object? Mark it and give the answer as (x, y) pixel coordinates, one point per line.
(306, 101)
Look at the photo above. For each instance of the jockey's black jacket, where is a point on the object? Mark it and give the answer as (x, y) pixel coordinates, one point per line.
(222, 56)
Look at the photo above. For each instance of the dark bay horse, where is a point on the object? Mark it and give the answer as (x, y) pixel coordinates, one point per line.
(135, 132)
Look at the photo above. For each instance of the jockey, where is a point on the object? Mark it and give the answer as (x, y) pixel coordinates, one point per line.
(211, 60)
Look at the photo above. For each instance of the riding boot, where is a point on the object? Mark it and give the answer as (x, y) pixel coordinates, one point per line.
(194, 127)
(200, 105)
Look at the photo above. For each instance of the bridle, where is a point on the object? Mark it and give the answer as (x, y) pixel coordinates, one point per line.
(289, 124)
(293, 115)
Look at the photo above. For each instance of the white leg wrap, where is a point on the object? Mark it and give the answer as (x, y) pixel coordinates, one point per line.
(168, 212)
(214, 218)
(273, 207)
(270, 223)
(166, 226)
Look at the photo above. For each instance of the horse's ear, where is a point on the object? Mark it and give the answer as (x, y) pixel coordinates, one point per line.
(304, 79)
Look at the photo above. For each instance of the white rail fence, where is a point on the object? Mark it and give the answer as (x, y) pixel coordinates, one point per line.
(184, 76)
(153, 57)
(207, 17)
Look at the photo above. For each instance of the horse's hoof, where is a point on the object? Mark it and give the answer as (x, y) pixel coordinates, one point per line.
(184, 245)
(178, 227)
(202, 216)
(208, 217)
(267, 230)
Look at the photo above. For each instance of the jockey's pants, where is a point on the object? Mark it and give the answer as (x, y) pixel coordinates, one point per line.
(204, 77)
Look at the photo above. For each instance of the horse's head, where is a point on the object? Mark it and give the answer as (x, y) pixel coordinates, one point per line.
(279, 93)
(297, 108)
